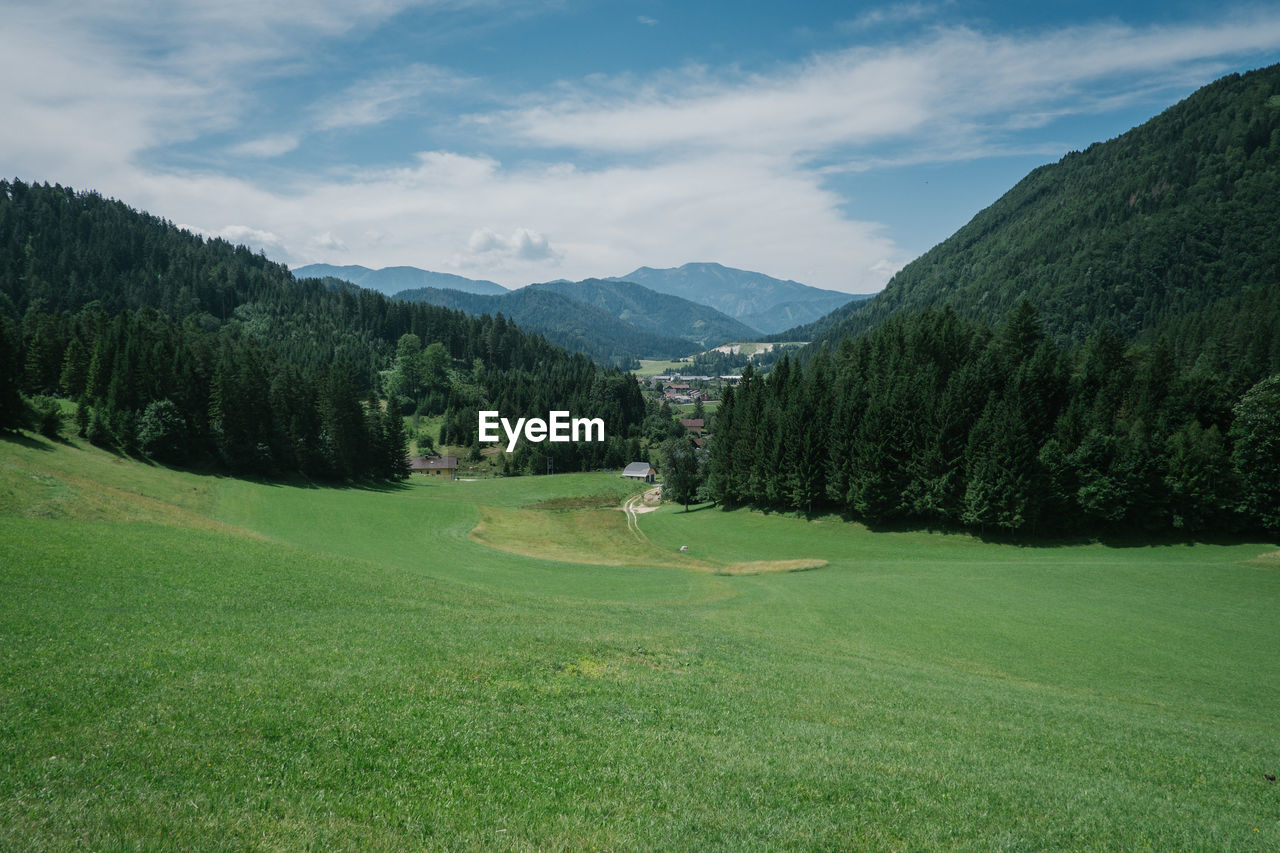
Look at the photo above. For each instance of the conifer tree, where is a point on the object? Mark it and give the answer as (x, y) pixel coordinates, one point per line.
(1001, 478)
(12, 411)
(1200, 480)
(397, 446)
(681, 470)
(75, 369)
(1256, 432)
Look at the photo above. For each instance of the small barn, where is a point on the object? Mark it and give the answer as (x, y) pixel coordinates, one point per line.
(694, 425)
(434, 466)
(640, 471)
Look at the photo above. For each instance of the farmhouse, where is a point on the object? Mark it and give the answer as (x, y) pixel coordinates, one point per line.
(640, 471)
(434, 466)
(694, 425)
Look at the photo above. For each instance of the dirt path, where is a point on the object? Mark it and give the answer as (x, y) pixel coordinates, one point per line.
(635, 505)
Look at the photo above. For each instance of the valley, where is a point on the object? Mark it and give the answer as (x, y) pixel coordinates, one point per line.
(325, 556)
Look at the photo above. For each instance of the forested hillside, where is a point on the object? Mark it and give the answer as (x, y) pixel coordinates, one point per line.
(1098, 350)
(196, 351)
(758, 300)
(572, 324)
(654, 312)
(1171, 228)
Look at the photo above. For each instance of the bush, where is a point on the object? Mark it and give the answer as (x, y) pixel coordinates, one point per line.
(46, 415)
(97, 431)
(162, 432)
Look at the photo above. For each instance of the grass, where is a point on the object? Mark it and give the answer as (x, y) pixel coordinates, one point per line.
(657, 367)
(198, 662)
(576, 530)
(686, 409)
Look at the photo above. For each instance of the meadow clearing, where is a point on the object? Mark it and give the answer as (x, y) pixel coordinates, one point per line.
(197, 662)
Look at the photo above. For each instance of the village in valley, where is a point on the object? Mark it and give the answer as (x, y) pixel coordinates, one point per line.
(684, 390)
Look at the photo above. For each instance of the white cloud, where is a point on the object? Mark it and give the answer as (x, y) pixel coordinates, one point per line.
(957, 84)
(257, 239)
(267, 146)
(646, 20)
(249, 236)
(524, 244)
(105, 84)
(473, 217)
(483, 240)
(894, 14)
(377, 99)
(326, 242)
(72, 112)
(694, 164)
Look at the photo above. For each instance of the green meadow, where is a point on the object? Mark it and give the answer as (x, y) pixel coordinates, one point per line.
(196, 662)
(661, 367)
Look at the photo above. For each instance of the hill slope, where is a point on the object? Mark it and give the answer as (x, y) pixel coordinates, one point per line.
(390, 280)
(264, 652)
(659, 313)
(574, 325)
(752, 298)
(1175, 218)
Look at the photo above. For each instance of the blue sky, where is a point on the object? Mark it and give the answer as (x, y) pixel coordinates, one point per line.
(527, 140)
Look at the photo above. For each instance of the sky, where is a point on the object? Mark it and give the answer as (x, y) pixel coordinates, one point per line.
(530, 140)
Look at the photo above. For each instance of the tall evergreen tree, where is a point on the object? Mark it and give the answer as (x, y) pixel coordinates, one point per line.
(1257, 451)
(12, 411)
(681, 470)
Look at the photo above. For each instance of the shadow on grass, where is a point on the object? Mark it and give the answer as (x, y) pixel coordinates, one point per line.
(1122, 538)
(696, 507)
(1106, 538)
(298, 481)
(23, 440)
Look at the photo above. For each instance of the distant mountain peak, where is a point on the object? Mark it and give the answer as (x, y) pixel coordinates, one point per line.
(753, 298)
(392, 280)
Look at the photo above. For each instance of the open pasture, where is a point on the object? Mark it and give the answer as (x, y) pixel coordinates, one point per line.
(199, 662)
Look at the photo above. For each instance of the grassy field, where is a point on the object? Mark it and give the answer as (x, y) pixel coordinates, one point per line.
(686, 409)
(195, 662)
(752, 347)
(652, 367)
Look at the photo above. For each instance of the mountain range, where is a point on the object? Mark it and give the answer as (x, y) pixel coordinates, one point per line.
(390, 280)
(563, 320)
(758, 300)
(656, 312)
(705, 304)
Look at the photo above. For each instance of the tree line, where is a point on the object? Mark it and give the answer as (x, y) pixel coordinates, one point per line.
(932, 418)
